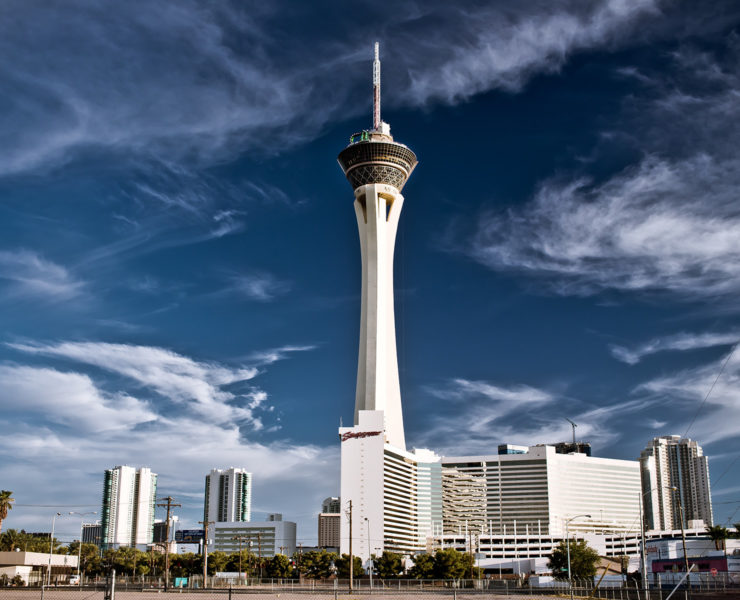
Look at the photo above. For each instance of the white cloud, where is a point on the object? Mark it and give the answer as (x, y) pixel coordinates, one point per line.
(176, 377)
(655, 227)
(686, 390)
(503, 47)
(262, 287)
(30, 275)
(71, 430)
(487, 415)
(267, 357)
(677, 342)
(70, 399)
(204, 82)
(667, 223)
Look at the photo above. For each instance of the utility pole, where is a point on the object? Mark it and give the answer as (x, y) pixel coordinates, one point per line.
(259, 552)
(472, 559)
(169, 504)
(351, 559)
(205, 549)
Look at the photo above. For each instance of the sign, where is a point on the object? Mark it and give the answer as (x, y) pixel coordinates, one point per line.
(713, 571)
(181, 582)
(189, 536)
(227, 574)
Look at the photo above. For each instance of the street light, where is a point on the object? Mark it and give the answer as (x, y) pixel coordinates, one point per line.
(79, 550)
(567, 545)
(51, 547)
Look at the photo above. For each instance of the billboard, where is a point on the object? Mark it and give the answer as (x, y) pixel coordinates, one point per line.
(189, 536)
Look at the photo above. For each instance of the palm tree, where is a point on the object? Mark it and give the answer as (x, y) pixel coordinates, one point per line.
(6, 502)
(718, 535)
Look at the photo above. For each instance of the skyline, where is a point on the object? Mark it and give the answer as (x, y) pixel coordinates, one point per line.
(180, 269)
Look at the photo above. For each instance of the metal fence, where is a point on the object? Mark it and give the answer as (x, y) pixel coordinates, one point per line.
(123, 588)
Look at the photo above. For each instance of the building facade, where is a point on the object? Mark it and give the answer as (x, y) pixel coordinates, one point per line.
(675, 480)
(228, 496)
(331, 505)
(540, 490)
(262, 538)
(129, 497)
(329, 530)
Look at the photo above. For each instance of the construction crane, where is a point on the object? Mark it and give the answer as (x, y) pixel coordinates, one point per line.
(574, 432)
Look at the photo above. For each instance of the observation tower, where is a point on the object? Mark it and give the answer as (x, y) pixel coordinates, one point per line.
(378, 167)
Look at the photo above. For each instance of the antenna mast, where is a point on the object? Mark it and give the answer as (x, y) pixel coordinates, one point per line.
(376, 88)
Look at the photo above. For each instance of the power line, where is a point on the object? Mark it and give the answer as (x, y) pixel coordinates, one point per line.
(716, 379)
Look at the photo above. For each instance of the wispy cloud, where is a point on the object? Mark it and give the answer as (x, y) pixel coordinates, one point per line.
(503, 48)
(686, 390)
(198, 82)
(677, 342)
(486, 414)
(666, 224)
(267, 357)
(261, 287)
(28, 274)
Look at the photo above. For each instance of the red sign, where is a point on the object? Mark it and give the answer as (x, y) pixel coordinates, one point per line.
(359, 434)
(713, 571)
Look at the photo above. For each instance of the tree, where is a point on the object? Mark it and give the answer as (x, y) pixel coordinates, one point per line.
(583, 560)
(388, 564)
(342, 564)
(6, 504)
(315, 564)
(451, 564)
(279, 567)
(718, 535)
(423, 566)
(216, 562)
(736, 533)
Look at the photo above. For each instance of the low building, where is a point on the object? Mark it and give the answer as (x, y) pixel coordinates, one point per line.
(262, 538)
(33, 566)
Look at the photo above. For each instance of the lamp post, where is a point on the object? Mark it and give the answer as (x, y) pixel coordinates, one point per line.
(79, 550)
(51, 547)
(567, 545)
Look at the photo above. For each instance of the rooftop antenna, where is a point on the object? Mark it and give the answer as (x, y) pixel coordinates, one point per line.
(376, 88)
(574, 429)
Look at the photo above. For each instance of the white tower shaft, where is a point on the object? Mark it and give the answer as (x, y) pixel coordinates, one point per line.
(378, 207)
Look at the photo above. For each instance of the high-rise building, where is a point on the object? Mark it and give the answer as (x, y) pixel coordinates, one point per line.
(129, 496)
(228, 495)
(675, 478)
(331, 505)
(379, 478)
(329, 523)
(329, 528)
(91, 533)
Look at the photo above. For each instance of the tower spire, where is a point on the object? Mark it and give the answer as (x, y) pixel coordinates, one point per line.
(376, 88)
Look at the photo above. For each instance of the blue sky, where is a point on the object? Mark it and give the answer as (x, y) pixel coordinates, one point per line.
(180, 269)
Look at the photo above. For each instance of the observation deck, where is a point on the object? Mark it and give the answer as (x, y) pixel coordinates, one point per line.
(373, 157)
